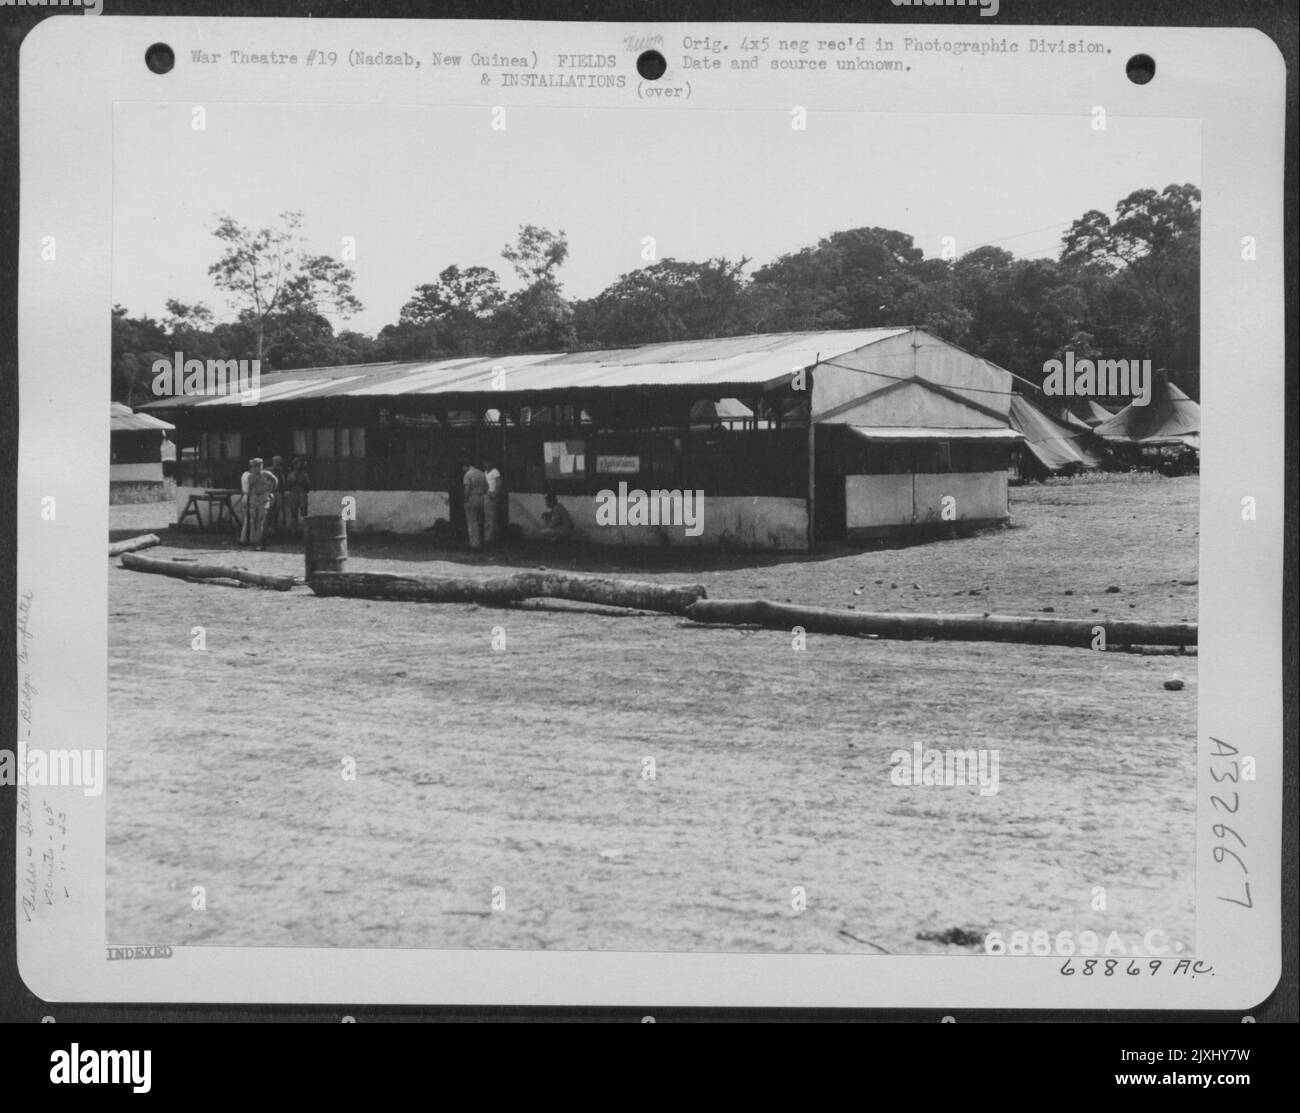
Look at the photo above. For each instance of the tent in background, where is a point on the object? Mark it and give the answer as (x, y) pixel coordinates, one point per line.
(1169, 419)
(1067, 417)
(1052, 448)
(728, 412)
(1096, 414)
(1164, 434)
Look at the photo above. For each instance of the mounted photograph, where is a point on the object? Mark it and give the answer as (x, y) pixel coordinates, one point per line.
(791, 549)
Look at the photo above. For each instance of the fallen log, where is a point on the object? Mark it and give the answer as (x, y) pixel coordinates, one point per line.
(143, 541)
(498, 590)
(953, 627)
(185, 570)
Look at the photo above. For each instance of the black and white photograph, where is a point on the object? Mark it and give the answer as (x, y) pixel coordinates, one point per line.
(769, 555)
(647, 514)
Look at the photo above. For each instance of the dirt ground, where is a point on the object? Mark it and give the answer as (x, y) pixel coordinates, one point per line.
(519, 773)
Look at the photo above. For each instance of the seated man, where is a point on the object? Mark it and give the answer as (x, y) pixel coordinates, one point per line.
(557, 525)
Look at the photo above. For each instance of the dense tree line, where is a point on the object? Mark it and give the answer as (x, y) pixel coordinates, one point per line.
(1122, 287)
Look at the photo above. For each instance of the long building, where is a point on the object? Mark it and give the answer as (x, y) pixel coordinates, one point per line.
(790, 438)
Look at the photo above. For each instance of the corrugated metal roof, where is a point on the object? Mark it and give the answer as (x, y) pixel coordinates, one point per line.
(728, 361)
(278, 390)
(122, 419)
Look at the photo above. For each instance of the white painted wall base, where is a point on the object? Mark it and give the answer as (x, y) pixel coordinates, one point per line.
(732, 522)
(385, 511)
(135, 473)
(737, 522)
(875, 501)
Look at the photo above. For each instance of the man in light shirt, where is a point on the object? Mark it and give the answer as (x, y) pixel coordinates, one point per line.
(259, 487)
(167, 453)
(491, 503)
(476, 486)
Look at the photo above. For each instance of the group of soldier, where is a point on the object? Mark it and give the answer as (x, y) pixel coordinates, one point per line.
(275, 499)
(275, 502)
(482, 502)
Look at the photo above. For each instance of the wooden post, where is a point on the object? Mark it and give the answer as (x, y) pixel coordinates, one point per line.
(812, 480)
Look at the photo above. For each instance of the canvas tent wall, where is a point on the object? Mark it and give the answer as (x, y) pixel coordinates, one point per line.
(1164, 434)
(1170, 418)
(1050, 448)
(1095, 413)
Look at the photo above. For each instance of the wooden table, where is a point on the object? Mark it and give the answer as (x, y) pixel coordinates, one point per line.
(220, 503)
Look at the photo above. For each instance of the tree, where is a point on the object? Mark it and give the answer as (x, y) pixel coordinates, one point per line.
(1147, 225)
(136, 343)
(852, 279)
(537, 318)
(473, 292)
(667, 300)
(270, 277)
(407, 341)
(189, 328)
(456, 311)
(930, 295)
(1148, 259)
(537, 253)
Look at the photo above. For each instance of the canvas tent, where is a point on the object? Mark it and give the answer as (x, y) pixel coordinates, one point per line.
(723, 411)
(1165, 433)
(1096, 413)
(1169, 419)
(1051, 448)
(1067, 417)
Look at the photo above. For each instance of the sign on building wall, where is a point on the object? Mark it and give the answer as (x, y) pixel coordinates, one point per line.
(618, 465)
(564, 459)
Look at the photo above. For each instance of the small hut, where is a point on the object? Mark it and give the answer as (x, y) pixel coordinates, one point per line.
(136, 446)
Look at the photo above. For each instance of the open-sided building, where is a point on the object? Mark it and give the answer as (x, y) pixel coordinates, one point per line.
(789, 438)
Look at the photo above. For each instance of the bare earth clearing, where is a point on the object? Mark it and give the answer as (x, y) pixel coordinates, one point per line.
(522, 768)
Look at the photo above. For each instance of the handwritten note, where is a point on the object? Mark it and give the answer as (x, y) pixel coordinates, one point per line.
(42, 825)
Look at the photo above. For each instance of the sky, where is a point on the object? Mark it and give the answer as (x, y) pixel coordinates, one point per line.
(421, 188)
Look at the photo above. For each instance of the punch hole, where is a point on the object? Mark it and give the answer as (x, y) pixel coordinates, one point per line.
(160, 58)
(1141, 68)
(651, 65)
